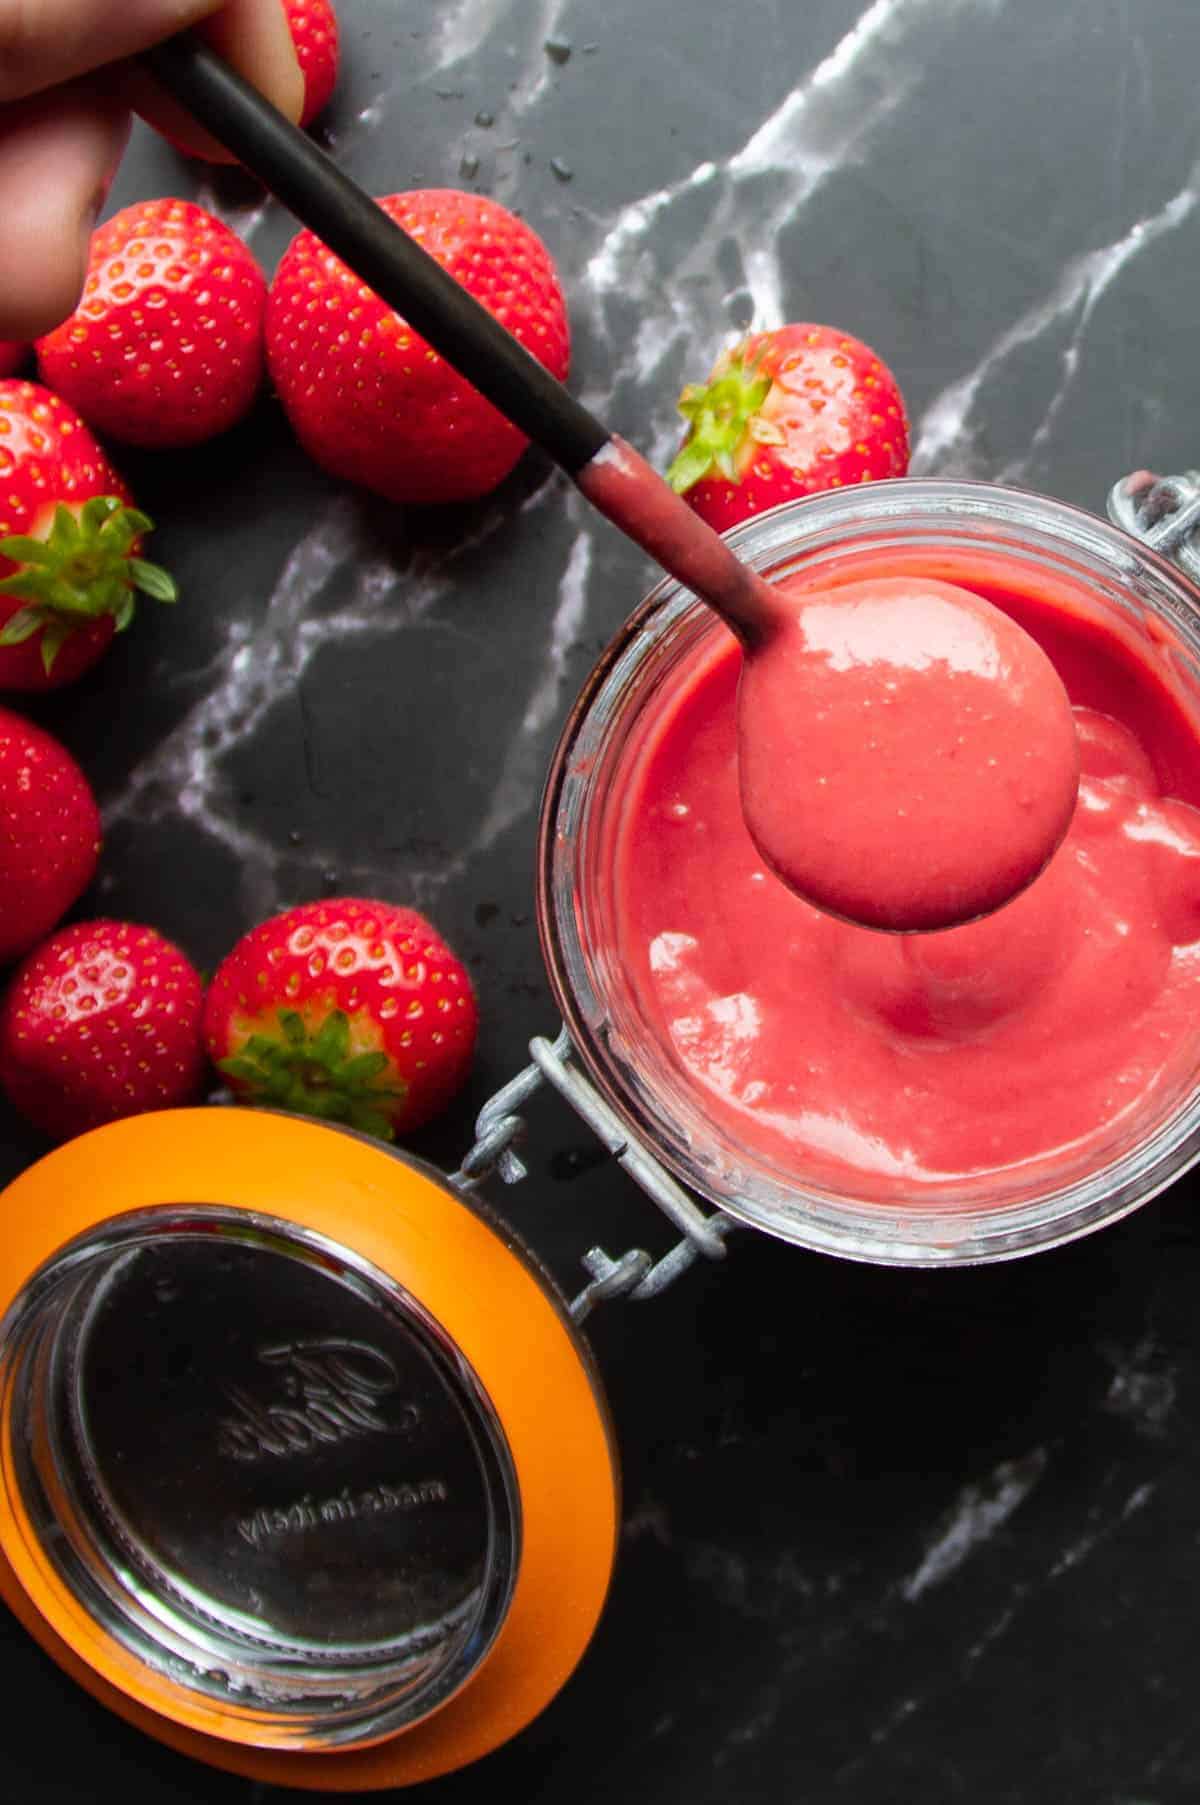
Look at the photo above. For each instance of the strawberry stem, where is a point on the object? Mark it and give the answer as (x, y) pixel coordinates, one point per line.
(84, 568)
(316, 1074)
(721, 413)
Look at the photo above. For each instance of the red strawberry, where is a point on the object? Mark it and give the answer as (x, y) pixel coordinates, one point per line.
(314, 28)
(366, 396)
(351, 1010)
(102, 1021)
(165, 348)
(69, 538)
(786, 413)
(12, 356)
(49, 834)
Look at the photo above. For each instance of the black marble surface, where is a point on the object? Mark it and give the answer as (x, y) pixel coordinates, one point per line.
(888, 1537)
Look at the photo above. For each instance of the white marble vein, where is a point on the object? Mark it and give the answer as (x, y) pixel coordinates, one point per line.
(1106, 1523)
(462, 30)
(823, 124)
(1143, 1386)
(745, 1731)
(1102, 1524)
(452, 55)
(944, 440)
(260, 664)
(522, 767)
(1101, 1531)
(977, 1513)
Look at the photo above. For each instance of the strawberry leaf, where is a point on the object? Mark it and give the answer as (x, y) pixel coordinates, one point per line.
(293, 1027)
(98, 511)
(83, 569)
(153, 580)
(20, 626)
(316, 1075)
(693, 462)
(721, 414)
(23, 549)
(244, 1069)
(358, 1072)
(67, 527)
(332, 1042)
(54, 636)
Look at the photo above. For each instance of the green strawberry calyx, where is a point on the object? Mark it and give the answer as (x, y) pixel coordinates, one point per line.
(316, 1074)
(84, 568)
(721, 414)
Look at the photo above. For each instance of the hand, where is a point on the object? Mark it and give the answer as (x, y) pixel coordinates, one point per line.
(66, 89)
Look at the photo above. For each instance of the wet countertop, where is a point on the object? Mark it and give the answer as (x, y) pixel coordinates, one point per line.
(887, 1536)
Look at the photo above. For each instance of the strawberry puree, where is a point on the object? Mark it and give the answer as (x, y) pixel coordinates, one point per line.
(891, 1063)
(907, 753)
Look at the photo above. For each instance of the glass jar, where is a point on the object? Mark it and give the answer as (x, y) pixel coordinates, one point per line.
(1132, 593)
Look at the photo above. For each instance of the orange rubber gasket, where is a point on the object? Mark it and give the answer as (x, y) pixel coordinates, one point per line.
(491, 1303)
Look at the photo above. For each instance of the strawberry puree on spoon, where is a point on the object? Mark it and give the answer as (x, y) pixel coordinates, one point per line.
(906, 751)
(907, 754)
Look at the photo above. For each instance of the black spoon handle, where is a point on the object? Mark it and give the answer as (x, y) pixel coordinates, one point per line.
(357, 230)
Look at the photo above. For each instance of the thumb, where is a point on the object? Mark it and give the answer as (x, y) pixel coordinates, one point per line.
(255, 38)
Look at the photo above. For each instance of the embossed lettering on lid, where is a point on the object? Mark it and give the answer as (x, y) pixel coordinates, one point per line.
(263, 1470)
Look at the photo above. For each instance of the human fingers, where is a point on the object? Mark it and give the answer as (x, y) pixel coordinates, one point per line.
(252, 35)
(45, 42)
(58, 153)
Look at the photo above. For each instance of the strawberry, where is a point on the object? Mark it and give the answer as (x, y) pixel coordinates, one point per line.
(12, 356)
(101, 1021)
(314, 28)
(786, 413)
(165, 347)
(351, 1010)
(69, 538)
(49, 834)
(368, 399)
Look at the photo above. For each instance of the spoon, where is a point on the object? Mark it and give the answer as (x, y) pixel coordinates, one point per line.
(953, 660)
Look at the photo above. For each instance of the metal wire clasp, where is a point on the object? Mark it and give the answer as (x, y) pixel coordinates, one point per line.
(499, 1128)
(1163, 512)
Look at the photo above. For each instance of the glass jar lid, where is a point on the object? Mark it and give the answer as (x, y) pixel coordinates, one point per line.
(263, 1469)
(279, 1463)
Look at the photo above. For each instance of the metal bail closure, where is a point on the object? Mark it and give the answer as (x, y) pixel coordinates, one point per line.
(304, 1468)
(1163, 512)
